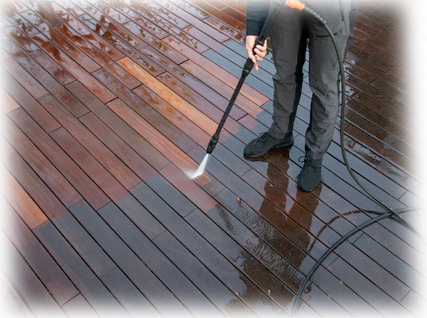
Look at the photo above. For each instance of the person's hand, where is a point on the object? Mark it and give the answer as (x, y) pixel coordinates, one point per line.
(260, 51)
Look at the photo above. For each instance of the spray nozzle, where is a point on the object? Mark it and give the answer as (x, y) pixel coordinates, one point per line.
(212, 143)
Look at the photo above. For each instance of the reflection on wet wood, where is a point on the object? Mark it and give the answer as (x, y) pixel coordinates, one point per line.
(107, 107)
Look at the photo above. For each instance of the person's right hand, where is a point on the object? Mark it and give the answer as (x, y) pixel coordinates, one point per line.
(260, 51)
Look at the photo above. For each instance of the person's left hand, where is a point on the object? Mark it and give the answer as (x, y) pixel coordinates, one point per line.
(260, 51)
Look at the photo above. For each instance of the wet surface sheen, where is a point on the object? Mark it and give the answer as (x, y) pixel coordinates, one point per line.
(107, 107)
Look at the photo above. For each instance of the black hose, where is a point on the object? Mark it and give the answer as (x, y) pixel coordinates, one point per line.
(389, 212)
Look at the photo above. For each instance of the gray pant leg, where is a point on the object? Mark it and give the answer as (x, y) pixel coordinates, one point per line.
(324, 83)
(289, 43)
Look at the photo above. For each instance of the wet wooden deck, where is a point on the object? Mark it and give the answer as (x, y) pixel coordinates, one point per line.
(106, 105)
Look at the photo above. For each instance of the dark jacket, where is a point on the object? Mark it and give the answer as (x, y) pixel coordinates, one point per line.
(256, 14)
(332, 10)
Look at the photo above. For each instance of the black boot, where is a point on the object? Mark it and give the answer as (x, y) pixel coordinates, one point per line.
(266, 142)
(310, 174)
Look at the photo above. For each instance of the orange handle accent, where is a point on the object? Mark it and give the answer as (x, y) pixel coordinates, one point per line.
(295, 4)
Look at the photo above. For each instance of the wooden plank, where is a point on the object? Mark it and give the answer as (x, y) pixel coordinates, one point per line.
(220, 87)
(96, 41)
(210, 285)
(7, 104)
(220, 73)
(111, 187)
(26, 101)
(80, 181)
(196, 23)
(118, 146)
(155, 291)
(101, 59)
(39, 8)
(21, 76)
(32, 291)
(39, 163)
(366, 289)
(19, 199)
(16, 5)
(162, 267)
(50, 84)
(61, 42)
(160, 89)
(64, 7)
(5, 147)
(18, 39)
(77, 237)
(163, 145)
(90, 286)
(405, 271)
(116, 167)
(140, 14)
(116, 28)
(175, 117)
(204, 100)
(165, 14)
(48, 271)
(225, 28)
(241, 286)
(120, 44)
(73, 68)
(128, 295)
(78, 307)
(130, 136)
(142, 109)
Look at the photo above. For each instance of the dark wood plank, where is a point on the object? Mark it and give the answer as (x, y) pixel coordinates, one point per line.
(22, 76)
(8, 104)
(117, 168)
(130, 136)
(175, 100)
(5, 147)
(118, 146)
(77, 307)
(80, 181)
(366, 289)
(41, 165)
(222, 74)
(26, 101)
(48, 271)
(59, 216)
(210, 285)
(32, 291)
(155, 291)
(20, 40)
(73, 68)
(63, 11)
(161, 266)
(20, 200)
(61, 42)
(128, 295)
(112, 188)
(90, 286)
(217, 264)
(143, 110)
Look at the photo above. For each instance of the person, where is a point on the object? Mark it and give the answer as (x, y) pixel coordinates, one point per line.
(290, 35)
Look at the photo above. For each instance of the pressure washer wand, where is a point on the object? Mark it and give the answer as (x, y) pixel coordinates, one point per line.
(247, 68)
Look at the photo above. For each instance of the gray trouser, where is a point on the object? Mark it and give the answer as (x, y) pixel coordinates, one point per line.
(289, 42)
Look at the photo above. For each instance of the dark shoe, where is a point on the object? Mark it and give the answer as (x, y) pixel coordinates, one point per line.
(264, 143)
(310, 174)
